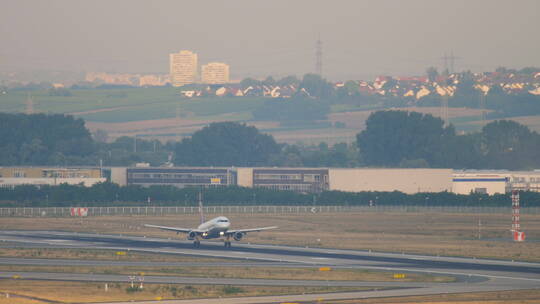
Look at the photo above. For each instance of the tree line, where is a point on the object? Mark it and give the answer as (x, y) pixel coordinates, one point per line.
(322, 92)
(410, 139)
(62, 140)
(43, 139)
(107, 194)
(391, 139)
(502, 104)
(315, 88)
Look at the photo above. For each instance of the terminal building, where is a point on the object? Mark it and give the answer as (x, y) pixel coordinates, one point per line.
(14, 176)
(312, 180)
(465, 183)
(495, 181)
(178, 177)
(306, 180)
(388, 179)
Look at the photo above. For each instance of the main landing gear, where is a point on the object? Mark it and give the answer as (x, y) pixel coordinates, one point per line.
(197, 244)
(227, 244)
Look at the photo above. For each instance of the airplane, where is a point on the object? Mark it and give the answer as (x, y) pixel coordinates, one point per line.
(213, 229)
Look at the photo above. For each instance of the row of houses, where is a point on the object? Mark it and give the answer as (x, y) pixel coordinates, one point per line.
(236, 90)
(418, 87)
(306, 180)
(413, 88)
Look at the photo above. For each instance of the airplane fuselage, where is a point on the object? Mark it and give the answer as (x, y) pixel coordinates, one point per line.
(215, 228)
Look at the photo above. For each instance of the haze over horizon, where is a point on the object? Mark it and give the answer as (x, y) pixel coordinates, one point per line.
(361, 39)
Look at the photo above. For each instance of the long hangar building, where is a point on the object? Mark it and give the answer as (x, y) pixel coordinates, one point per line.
(295, 179)
(308, 180)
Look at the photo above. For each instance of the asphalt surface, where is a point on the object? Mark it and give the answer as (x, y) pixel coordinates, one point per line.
(473, 275)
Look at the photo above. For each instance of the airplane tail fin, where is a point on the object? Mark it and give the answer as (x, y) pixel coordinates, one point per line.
(201, 210)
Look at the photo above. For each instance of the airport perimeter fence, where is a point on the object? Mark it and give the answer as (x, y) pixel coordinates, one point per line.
(153, 211)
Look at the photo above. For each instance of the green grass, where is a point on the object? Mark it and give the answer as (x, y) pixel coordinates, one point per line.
(464, 119)
(339, 108)
(468, 127)
(214, 106)
(134, 104)
(128, 104)
(85, 100)
(149, 111)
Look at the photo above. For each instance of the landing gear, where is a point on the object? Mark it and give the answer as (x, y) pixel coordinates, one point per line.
(227, 244)
(197, 244)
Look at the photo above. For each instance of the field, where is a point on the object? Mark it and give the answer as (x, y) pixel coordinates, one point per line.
(428, 233)
(163, 114)
(176, 128)
(33, 292)
(502, 297)
(39, 292)
(105, 255)
(275, 273)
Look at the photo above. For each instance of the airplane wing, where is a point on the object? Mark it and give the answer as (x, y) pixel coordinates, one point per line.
(176, 229)
(250, 230)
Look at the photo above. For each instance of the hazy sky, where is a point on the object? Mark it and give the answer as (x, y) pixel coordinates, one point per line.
(361, 38)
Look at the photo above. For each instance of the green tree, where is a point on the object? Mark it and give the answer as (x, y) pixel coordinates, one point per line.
(510, 145)
(249, 82)
(38, 137)
(465, 88)
(348, 90)
(351, 87)
(529, 70)
(101, 136)
(316, 86)
(432, 74)
(226, 144)
(33, 152)
(391, 137)
(294, 109)
(465, 152)
(288, 80)
(269, 81)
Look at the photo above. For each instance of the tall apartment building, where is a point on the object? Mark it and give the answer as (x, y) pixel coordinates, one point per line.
(215, 73)
(154, 80)
(183, 68)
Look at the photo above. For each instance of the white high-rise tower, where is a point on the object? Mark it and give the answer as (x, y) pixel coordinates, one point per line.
(215, 73)
(183, 68)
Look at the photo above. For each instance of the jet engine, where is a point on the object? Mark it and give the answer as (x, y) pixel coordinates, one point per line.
(237, 236)
(191, 235)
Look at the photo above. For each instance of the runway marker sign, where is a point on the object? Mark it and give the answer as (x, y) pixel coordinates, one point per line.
(325, 269)
(399, 276)
(79, 211)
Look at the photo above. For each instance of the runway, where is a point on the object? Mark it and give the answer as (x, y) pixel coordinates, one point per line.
(473, 275)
